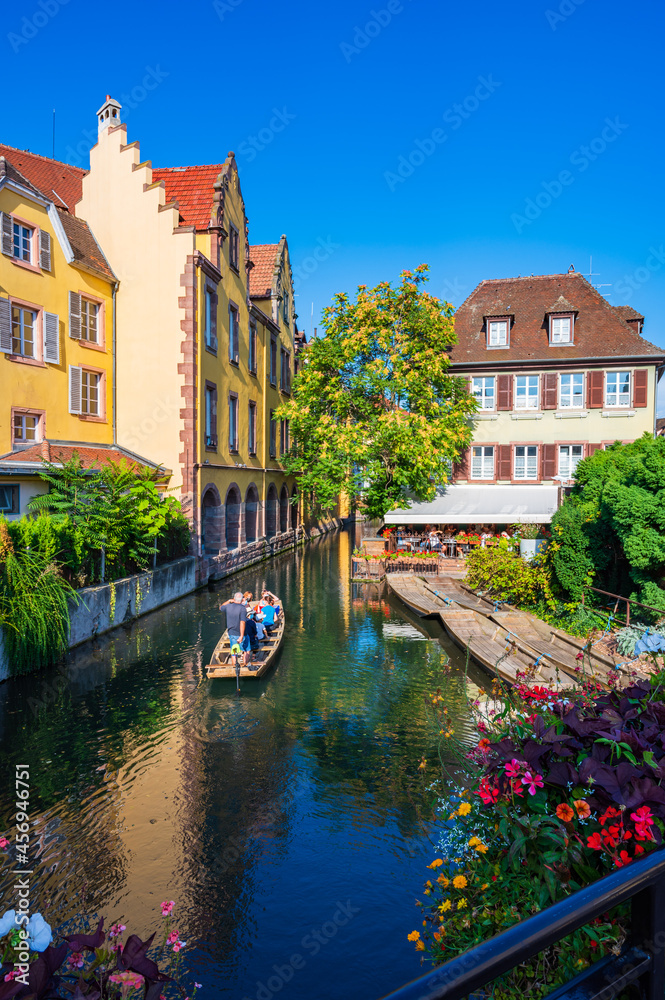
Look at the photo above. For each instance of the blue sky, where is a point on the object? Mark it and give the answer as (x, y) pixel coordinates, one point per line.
(359, 152)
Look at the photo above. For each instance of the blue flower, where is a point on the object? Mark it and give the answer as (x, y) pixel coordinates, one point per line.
(7, 922)
(39, 933)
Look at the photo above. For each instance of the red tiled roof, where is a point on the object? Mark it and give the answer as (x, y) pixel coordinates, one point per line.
(628, 313)
(85, 248)
(192, 188)
(92, 457)
(262, 256)
(59, 182)
(600, 330)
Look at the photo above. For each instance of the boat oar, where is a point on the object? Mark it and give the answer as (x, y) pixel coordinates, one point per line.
(235, 652)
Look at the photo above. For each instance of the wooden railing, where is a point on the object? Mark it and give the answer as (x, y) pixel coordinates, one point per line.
(628, 602)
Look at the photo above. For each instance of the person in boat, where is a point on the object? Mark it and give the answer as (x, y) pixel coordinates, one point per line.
(270, 613)
(252, 633)
(236, 624)
(247, 598)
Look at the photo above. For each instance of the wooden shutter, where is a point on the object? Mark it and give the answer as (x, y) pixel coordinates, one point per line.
(7, 234)
(504, 392)
(461, 466)
(5, 326)
(214, 299)
(550, 391)
(505, 469)
(549, 461)
(213, 418)
(74, 389)
(641, 381)
(591, 448)
(52, 338)
(44, 250)
(75, 315)
(595, 387)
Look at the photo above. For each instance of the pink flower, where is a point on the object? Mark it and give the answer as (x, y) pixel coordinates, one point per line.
(513, 768)
(116, 930)
(75, 960)
(4, 843)
(167, 906)
(11, 975)
(173, 936)
(178, 945)
(533, 781)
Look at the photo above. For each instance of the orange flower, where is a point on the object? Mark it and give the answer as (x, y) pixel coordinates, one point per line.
(564, 812)
(583, 808)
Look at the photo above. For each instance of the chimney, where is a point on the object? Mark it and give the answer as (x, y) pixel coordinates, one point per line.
(108, 114)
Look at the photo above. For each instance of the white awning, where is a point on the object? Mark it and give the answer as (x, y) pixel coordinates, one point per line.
(483, 505)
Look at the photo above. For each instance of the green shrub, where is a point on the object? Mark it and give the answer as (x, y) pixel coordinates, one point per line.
(500, 571)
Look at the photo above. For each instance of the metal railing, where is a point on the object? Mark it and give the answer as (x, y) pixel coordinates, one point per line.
(641, 959)
(628, 600)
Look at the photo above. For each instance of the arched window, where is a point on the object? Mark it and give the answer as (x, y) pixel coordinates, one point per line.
(284, 509)
(272, 505)
(251, 514)
(233, 517)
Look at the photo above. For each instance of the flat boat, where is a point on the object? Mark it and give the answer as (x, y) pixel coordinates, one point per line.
(222, 664)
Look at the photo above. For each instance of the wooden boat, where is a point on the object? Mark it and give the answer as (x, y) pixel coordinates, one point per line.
(569, 653)
(222, 664)
(418, 595)
(453, 590)
(502, 653)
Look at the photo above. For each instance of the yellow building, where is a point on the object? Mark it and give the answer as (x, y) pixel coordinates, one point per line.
(195, 356)
(57, 296)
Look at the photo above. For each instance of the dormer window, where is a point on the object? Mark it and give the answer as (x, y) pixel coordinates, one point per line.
(498, 331)
(561, 329)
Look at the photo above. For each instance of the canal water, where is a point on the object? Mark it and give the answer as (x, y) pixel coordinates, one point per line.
(291, 824)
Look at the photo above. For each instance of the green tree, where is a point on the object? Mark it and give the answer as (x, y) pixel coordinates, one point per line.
(612, 527)
(375, 413)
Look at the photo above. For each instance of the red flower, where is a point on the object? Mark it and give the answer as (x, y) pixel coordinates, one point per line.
(623, 859)
(595, 842)
(610, 813)
(564, 812)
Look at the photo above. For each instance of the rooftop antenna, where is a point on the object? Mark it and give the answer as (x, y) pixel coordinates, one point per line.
(312, 325)
(54, 133)
(595, 274)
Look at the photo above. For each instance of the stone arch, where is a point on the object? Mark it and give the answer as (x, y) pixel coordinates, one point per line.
(284, 508)
(212, 520)
(272, 507)
(294, 508)
(232, 510)
(252, 508)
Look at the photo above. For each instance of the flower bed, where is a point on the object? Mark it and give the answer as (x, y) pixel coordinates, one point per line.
(560, 791)
(94, 965)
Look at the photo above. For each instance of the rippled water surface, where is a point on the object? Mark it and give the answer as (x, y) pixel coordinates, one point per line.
(291, 820)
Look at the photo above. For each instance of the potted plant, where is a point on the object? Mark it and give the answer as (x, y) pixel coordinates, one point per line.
(531, 540)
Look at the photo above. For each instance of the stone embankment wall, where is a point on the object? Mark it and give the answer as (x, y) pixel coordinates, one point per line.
(100, 609)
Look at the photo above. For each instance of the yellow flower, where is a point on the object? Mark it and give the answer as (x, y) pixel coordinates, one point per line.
(420, 945)
(460, 882)
(414, 936)
(474, 841)
(446, 905)
(461, 903)
(445, 882)
(481, 848)
(436, 863)
(428, 884)
(485, 885)
(464, 809)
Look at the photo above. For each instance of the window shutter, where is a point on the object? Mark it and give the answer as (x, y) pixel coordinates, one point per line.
(504, 392)
(549, 461)
(5, 326)
(461, 466)
(591, 448)
(44, 250)
(7, 234)
(504, 461)
(595, 388)
(214, 299)
(550, 390)
(75, 315)
(52, 338)
(213, 418)
(640, 384)
(74, 389)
